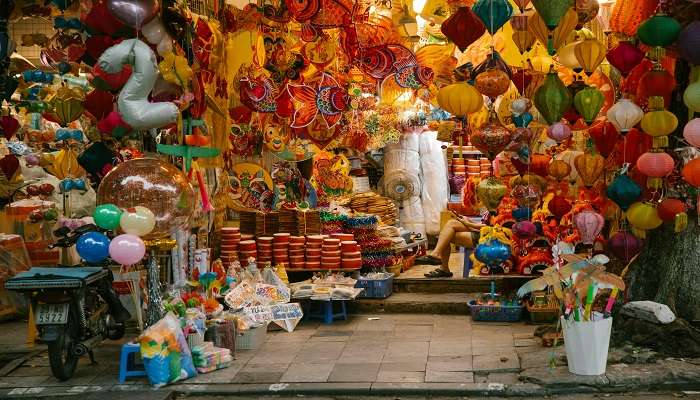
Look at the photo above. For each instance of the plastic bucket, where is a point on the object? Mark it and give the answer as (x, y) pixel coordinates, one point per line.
(586, 345)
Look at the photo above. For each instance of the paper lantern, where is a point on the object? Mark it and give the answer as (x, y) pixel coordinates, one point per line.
(659, 30)
(521, 213)
(588, 102)
(552, 11)
(519, 22)
(659, 123)
(463, 28)
(590, 53)
(559, 169)
(559, 206)
(524, 40)
(491, 139)
(524, 230)
(624, 115)
(490, 192)
(589, 167)
(493, 60)
(67, 104)
(569, 156)
(691, 132)
(691, 97)
(655, 164)
(604, 137)
(691, 172)
(493, 253)
(522, 4)
(567, 57)
(627, 15)
(589, 224)
(624, 246)
(623, 191)
(552, 98)
(669, 208)
(493, 13)
(625, 56)
(657, 82)
(460, 99)
(558, 37)
(634, 145)
(643, 216)
(689, 43)
(492, 83)
(559, 132)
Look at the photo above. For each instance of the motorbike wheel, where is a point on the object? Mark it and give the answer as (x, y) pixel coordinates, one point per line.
(62, 357)
(116, 331)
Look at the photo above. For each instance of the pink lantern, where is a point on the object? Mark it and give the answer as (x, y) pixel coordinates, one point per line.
(624, 246)
(559, 132)
(691, 132)
(524, 230)
(589, 224)
(655, 165)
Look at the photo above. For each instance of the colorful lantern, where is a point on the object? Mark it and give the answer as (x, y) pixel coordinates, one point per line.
(624, 246)
(689, 43)
(553, 40)
(559, 169)
(559, 206)
(522, 4)
(625, 56)
(67, 104)
(492, 83)
(491, 138)
(460, 99)
(623, 191)
(524, 40)
(624, 115)
(493, 13)
(463, 28)
(559, 132)
(552, 11)
(691, 172)
(490, 192)
(669, 208)
(691, 97)
(589, 167)
(567, 57)
(521, 213)
(590, 53)
(569, 156)
(656, 82)
(588, 102)
(589, 224)
(634, 145)
(691, 132)
(493, 253)
(659, 123)
(655, 164)
(524, 230)
(643, 216)
(604, 137)
(627, 15)
(659, 30)
(552, 98)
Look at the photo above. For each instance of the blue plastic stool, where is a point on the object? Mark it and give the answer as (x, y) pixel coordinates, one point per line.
(467, 261)
(127, 363)
(325, 312)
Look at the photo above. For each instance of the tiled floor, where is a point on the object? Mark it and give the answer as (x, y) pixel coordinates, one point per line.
(418, 271)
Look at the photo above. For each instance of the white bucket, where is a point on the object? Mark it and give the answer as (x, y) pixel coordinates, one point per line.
(586, 345)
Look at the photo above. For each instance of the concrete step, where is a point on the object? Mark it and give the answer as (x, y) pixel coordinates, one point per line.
(481, 284)
(415, 303)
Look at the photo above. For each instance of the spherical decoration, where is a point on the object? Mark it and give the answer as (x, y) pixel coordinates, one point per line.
(460, 99)
(552, 98)
(520, 106)
(559, 132)
(138, 221)
(659, 123)
(589, 167)
(491, 139)
(93, 247)
(588, 102)
(493, 13)
(604, 136)
(659, 30)
(521, 213)
(669, 208)
(691, 132)
(127, 249)
(691, 97)
(656, 82)
(107, 216)
(624, 246)
(623, 191)
(490, 192)
(526, 195)
(644, 216)
(492, 83)
(569, 156)
(589, 224)
(559, 206)
(655, 164)
(625, 56)
(156, 185)
(559, 169)
(689, 43)
(524, 230)
(691, 172)
(492, 253)
(624, 115)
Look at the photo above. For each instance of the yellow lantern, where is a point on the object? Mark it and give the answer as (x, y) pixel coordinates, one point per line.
(589, 167)
(460, 99)
(658, 122)
(567, 57)
(566, 25)
(67, 104)
(590, 53)
(643, 216)
(524, 40)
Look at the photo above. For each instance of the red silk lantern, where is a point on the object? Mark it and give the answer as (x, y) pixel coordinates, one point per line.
(691, 172)
(559, 206)
(463, 27)
(669, 208)
(589, 224)
(634, 145)
(491, 139)
(521, 79)
(625, 56)
(655, 164)
(604, 137)
(657, 82)
(539, 165)
(624, 246)
(630, 84)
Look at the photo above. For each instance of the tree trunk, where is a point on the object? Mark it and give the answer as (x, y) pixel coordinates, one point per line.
(668, 270)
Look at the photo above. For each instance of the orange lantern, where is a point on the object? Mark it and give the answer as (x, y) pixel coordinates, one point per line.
(524, 40)
(590, 53)
(492, 83)
(691, 172)
(559, 169)
(589, 167)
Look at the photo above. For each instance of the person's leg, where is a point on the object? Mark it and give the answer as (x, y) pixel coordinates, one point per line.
(447, 235)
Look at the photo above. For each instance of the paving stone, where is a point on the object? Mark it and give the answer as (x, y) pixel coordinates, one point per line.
(503, 377)
(483, 350)
(454, 365)
(523, 336)
(449, 376)
(315, 352)
(224, 375)
(440, 333)
(31, 371)
(366, 372)
(403, 366)
(400, 376)
(373, 326)
(258, 377)
(527, 342)
(273, 358)
(302, 372)
(22, 381)
(295, 336)
(560, 377)
(343, 333)
(407, 352)
(451, 348)
(497, 362)
(540, 358)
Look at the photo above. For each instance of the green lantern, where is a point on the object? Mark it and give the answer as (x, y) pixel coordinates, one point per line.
(552, 11)
(552, 98)
(493, 13)
(659, 30)
(588, 102)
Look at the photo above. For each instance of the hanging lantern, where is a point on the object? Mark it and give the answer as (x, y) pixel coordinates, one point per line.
(519, 22)
(521, 213)
(643, 216)
(659, 123)
(493, 13)
(604, 137)
(590, 53)
(521, 79)
(526, 195)
(567, 57)
(657, 82)
(490, 192)
(589, 224)
(691, 97)
(691, 132)
(552, 98)
(559, 169)
(67, 104)
(634, 145)
(522, 4)
(655, 164)
(588, 102)
(659, 30)
(537, 164)
(586, 10)
(524, 40)
(524, 230)
(589, 167)
(559, 206)
(689, 43)
(463, 28)
(460, 99)
(627, 15)
(559, 132)
(553, 40)
(493, 61)
(491, 139)
(691, 172)
(669, 208)
(624, 246)
(625, 56)
(569, 156)
(492, 83)
(623, 191)
(552, 11)
(624, 115)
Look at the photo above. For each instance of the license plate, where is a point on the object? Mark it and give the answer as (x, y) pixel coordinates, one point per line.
(51, 314)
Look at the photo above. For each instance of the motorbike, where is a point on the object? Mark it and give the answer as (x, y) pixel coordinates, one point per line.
(75, 308)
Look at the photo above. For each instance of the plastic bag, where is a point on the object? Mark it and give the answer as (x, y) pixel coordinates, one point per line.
(166, 355)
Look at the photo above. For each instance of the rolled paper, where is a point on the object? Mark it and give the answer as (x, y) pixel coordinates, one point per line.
(206, 204)
(611, 301)
(577, 317)
(589, 301)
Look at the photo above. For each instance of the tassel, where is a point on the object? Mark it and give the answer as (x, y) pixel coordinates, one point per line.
(206, 204)
(680, 222)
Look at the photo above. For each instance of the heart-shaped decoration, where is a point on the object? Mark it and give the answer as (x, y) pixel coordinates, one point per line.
(8, 126)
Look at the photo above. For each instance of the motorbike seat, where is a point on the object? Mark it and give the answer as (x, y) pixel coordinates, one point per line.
(55, 277)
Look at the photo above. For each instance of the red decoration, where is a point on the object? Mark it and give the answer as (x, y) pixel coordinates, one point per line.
(634, 145)
(521, 79)
(630, 84)
(624, 246)
(655, 165)
(100, 20)
(463, 28)
(113, 125)
(691, 172)
(625, 56)
(110, 82)
(604, 137)
(99, 103)
(539, 165)
(8, 126)
(669, 208)
(657, 82)
(559, 206)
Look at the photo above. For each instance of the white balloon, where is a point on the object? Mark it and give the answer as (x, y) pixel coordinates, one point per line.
(133, 104)
(165, 45)
(153, 31)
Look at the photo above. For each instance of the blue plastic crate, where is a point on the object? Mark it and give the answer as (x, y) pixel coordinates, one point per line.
(493, 313)
(376, 288)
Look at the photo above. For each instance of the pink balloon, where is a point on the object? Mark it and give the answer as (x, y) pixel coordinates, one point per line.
(134, 13)
(127, 249)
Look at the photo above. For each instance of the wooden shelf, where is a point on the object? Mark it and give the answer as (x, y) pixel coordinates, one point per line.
(322, 269)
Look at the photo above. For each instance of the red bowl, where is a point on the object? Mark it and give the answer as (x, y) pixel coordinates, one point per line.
(312, 264)
(343, 236)
(247, 236)
(265, 239)
(247, 245)
(335, 253)
(331, 241)
(279, 245)
(313, 252)
(349, 246)
(314, 239)
(331, 247)
(352, 263)
(297, 239)
(329, 259)
(296, 252)
(352, 254)
(296, 246)
(281, 237)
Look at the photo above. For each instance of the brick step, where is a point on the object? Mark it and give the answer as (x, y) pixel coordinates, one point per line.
(415, 303)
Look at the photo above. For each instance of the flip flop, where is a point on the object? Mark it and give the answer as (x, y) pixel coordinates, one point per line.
(428, 260)
(438, 273)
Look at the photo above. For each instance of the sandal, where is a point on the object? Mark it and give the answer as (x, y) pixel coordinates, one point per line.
(439, 273)
(428, 260)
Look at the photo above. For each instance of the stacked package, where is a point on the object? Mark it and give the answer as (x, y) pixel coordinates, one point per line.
(372, 203)
(208, 357)
(230, 238)
(288, 221)
(259, 223)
